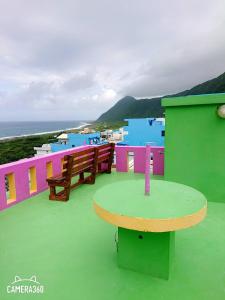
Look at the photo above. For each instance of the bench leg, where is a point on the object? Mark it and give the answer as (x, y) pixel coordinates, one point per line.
(61, 196)
(52, 195)
(91, 178)
(67, 193)
(110, 165)
(99, 168)
(108, 171)
(81, 177)
(93, 175)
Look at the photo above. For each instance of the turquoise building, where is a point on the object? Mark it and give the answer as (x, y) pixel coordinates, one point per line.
(146, 130)
(72, 140)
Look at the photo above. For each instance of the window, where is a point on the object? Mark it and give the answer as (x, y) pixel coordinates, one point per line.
(49, 169)
(10, 188)
(32, 180)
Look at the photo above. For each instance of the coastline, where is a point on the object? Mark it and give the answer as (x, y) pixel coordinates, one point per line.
(16, 148)
(10, 138)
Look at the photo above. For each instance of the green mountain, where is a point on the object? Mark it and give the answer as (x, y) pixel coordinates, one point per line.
(129, 107)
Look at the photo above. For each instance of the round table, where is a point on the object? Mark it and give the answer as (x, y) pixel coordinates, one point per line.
(146, 223)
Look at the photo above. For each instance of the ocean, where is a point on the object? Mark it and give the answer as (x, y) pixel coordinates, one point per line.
(19, 129)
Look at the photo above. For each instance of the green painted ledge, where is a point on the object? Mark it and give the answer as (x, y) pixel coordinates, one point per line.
(194, 100)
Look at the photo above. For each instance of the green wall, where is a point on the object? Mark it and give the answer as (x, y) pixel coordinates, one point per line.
(195, 144)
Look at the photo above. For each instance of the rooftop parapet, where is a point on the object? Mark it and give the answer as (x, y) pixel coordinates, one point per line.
(25, 178)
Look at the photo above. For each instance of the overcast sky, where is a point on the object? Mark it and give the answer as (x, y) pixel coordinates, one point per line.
(73, 59)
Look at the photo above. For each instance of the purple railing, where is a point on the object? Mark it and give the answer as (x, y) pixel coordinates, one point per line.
(27, 177)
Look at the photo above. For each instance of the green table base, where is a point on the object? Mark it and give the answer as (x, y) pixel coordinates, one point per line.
(146, 252)
(147, 224)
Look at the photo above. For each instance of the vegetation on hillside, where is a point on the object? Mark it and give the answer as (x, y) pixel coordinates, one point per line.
(19, 148)
(129, 107)
(215, 85)
(101, 126)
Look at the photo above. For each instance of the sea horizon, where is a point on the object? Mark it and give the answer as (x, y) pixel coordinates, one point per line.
(16, 129)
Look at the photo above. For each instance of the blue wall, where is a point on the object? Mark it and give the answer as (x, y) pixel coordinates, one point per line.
(77, 139)
(142, 131)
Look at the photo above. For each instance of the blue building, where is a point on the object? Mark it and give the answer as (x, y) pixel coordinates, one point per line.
(142, 131)
(70, 140)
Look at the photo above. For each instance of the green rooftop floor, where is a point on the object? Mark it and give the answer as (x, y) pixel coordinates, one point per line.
(72, 252)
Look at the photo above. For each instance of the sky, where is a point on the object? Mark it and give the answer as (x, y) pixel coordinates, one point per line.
(74, 59)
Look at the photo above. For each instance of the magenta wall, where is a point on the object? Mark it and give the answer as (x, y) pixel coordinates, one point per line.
(139, 159)
(20, 169)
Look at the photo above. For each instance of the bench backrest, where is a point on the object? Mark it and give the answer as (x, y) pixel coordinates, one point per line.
(87, 160)
(79, 162)
(105, 153)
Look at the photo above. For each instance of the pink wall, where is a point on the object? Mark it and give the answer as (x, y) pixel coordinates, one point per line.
(20, 169)
(139, 159)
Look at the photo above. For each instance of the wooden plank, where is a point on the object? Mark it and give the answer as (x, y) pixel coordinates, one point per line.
(57, 177)
(103, 157)
(89, 157)
(84, 152)
(103, 146)
(80, 167)
(104, 151)
(75, 173)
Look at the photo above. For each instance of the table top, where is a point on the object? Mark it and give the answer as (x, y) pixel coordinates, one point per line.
(170, 206)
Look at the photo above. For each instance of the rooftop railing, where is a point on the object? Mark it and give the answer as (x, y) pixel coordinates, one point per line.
(25, 178)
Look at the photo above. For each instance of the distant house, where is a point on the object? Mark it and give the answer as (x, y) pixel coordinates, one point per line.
(113, 136)
(43, 150)
(146, 130)
(87, 130)
(70, 140)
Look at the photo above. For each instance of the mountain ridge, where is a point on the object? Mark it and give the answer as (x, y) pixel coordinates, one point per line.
(130, 107)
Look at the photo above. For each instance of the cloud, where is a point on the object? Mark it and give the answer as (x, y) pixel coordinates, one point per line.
(74, 59)
(79, 82)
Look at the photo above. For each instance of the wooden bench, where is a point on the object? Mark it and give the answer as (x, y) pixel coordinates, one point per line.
(85, 161)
